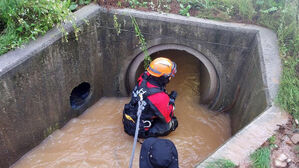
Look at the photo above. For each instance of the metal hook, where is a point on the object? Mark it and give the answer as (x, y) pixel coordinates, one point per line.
(148, 122)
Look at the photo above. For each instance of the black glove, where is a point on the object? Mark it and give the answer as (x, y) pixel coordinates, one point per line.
(172, 97)
(173, 123)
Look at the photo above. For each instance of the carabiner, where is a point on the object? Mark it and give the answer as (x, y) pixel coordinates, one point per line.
(148, 122)
(141, 92)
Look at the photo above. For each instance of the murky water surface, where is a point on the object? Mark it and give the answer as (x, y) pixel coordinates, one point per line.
(96, 139)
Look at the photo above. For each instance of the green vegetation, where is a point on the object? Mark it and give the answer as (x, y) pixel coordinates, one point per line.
(280, 16)
(221, 163)
(272, 140)
(186, 5)
(76, 3)
(159, 5)
(261, 158)
(288, 96)
(50, 130)
(297, 150)
(142, 43)
(116, 25)
(23, 20)
(137, 3)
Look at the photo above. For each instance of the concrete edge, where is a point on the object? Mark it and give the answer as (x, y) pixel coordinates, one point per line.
(211, 24)
(267, 38)
(16, 57)
(251, 137)
(270, 62)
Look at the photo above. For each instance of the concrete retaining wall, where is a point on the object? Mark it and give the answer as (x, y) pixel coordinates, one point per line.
(36, 84)
(36, 81)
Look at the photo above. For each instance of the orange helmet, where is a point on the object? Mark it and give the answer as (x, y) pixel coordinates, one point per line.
(162, 67)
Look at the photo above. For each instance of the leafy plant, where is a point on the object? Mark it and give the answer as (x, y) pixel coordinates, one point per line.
(185, 9)
(24, 20)
(186, 5)
(221, 163)
(75, 3)
(261, 158)
(136, 3)
(272, 140)
(119, 3)
(142, 43)
(162, 5)
(116, 25)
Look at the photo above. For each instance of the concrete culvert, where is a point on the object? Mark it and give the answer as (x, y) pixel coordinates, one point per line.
(94, 133)
(226, 66)
(180, 54)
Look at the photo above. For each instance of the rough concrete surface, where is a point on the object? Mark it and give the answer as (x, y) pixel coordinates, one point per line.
(251, 137)
(36, 81)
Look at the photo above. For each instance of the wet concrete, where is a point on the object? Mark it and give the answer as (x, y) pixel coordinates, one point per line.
(36, 81)
(89, 140)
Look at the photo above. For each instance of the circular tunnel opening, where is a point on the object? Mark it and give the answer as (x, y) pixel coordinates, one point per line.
(196, 75)
(187, 79)
(196, 83)
(79, 95)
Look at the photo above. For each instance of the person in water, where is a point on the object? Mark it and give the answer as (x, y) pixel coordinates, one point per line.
(157, 152)
(157, 117)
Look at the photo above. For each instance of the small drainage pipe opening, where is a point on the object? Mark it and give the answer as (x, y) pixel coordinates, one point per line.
(79, 95)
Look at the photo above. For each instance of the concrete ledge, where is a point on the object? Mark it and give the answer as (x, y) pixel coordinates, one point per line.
(246, 141)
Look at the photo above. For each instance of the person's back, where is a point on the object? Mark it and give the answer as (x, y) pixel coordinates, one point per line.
(157, 117)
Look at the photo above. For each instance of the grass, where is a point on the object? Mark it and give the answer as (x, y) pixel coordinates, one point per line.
(24, 20)
(297, 150)
(280, 16)
(221, 163)
(288, 96)
(261, 158)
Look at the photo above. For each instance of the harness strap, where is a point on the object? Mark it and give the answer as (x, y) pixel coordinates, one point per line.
(149, 91)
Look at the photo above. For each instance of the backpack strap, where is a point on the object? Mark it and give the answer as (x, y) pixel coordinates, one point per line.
(149, 91)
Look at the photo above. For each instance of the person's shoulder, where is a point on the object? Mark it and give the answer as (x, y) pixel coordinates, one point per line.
(159, 97)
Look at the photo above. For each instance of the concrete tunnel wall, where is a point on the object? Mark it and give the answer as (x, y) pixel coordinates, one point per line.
(36, 81)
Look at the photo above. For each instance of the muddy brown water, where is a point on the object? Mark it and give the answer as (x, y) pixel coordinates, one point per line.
(96, 138)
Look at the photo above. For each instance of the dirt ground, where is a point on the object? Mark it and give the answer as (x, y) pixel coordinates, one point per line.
(286, 146)
(285, 149)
